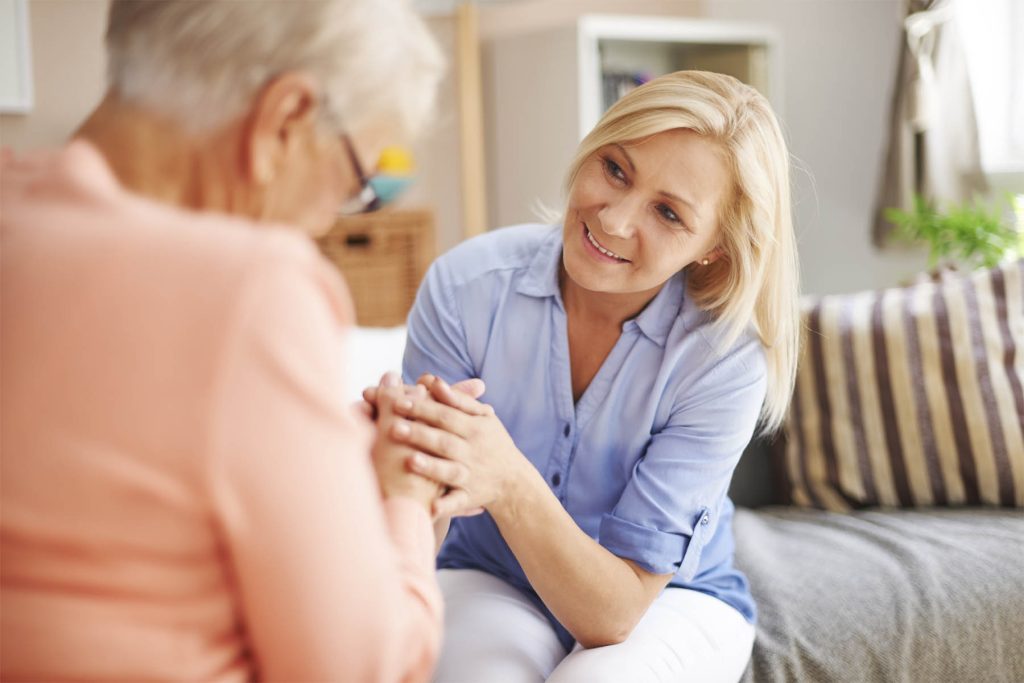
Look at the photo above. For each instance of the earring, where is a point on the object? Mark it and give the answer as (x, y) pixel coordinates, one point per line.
(705, 262)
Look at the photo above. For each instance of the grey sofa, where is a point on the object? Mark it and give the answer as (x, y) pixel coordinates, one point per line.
(878, 595)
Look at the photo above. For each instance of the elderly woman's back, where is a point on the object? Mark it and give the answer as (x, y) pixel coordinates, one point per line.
(185, 494)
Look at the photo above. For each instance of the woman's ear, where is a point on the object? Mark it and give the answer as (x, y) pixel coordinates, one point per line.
(711, 256)
(283, 115)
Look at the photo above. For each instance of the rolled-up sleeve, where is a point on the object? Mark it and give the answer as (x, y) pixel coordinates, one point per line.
(437, 341)
(670, 507)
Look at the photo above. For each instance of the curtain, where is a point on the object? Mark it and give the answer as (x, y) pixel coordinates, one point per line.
(933, 136)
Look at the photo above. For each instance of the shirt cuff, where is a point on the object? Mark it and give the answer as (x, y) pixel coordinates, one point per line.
(659, 552)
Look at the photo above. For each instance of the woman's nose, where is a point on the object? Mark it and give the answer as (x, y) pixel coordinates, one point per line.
(621, 218)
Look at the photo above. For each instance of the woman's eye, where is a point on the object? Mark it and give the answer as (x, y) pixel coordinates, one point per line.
(668, 214)
(614, 169)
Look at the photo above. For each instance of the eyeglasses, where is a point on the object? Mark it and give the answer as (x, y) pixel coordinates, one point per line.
(368, 200)
(375, 190)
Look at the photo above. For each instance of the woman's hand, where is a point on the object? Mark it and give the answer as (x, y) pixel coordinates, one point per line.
(368, 406)
(475, 455)
(390, 458)
(453, 502)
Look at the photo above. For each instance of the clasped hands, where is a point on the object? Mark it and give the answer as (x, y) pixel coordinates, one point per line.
(464, 456)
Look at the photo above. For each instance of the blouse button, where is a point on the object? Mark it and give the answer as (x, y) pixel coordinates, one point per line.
(704, 520)
(565, 432)
(556, 479)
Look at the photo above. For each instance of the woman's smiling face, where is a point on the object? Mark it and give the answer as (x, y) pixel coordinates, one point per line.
(641, 211)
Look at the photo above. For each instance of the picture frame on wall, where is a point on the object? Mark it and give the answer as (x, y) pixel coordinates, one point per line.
(16, 95)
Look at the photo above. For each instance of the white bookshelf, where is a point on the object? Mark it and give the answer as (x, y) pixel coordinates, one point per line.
(544, 90)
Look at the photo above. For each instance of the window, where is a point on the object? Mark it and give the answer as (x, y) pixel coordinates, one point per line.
(991, 31)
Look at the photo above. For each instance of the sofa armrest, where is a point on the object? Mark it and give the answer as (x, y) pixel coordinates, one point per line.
(759, 479)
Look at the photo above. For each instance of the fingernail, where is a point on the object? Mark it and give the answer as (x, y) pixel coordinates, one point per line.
(390, 379)
(401, 429)
(418, 461)
(403, 404)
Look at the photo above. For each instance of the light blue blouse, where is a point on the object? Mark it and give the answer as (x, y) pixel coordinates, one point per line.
(643, 461)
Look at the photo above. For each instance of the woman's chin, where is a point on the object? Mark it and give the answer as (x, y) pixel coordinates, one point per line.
(585, 276)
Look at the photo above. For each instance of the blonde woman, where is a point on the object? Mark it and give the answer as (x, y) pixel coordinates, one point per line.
(629, 354)
(186, 495)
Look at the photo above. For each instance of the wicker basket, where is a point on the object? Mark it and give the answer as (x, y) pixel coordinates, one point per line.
(383, 257)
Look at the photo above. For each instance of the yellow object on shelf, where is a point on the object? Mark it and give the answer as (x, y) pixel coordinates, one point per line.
(395, 161)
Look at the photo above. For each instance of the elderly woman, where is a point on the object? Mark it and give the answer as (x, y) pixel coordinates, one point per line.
(185, 495)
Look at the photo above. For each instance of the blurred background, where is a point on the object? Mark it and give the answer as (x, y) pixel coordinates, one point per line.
(528, 78)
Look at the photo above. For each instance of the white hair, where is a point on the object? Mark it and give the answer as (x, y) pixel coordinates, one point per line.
(201, 62)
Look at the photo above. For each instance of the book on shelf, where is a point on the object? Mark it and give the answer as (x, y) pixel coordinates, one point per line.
(615, 84)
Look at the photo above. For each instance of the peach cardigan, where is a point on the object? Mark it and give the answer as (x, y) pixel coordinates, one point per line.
(184, 493)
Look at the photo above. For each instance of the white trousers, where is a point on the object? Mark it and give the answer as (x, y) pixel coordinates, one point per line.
(494, 634)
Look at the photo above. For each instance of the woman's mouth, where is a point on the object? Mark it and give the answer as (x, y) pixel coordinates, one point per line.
(599, 250)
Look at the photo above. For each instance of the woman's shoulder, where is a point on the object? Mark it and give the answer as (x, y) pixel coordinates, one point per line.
(497, 251)
(232, 257)
(705, 342)
(715, 374)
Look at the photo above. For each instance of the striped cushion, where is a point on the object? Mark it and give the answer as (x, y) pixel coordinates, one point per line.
(912, 396)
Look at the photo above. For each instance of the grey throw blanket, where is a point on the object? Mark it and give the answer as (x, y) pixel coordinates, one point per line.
(929, 596)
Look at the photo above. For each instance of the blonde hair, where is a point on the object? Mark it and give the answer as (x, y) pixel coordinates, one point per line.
(756, 280)
(200, 62)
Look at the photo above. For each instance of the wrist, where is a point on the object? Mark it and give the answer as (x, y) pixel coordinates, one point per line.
(413, 487)
(517, 493)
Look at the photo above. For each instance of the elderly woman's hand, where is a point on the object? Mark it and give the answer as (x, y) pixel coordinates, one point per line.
(390, 458)
(472, 387)
(463, 446)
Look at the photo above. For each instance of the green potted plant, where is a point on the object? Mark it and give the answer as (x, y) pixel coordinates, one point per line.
(968, 234)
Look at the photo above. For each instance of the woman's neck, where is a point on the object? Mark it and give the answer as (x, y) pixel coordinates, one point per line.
(153, 156)
(601, 309)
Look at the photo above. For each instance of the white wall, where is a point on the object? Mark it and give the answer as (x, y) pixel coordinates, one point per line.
(438, 164)
(839, 63)
(67, 67)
